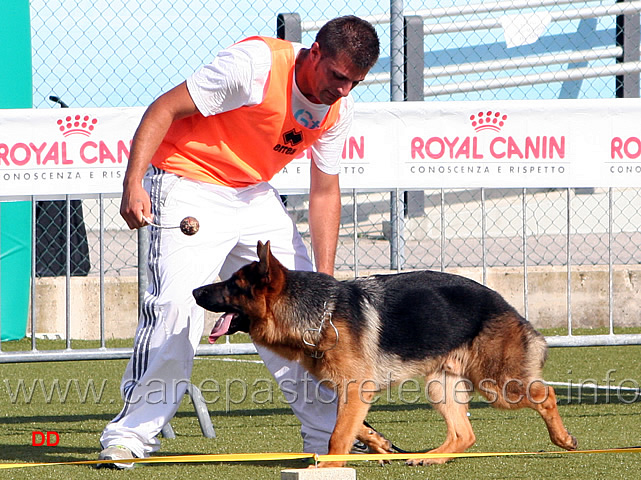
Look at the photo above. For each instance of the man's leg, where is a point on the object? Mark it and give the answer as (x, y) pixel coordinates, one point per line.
(171, 324)
(156, 376)
(314, 404)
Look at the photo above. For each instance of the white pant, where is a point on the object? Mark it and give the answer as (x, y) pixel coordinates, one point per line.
(171, 324)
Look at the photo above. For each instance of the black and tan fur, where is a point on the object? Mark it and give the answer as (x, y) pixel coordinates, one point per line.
(446, 328)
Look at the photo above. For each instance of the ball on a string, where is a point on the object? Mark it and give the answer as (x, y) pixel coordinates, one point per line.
(189, 226)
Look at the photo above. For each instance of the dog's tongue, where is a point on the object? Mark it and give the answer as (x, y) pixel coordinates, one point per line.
(221, 327)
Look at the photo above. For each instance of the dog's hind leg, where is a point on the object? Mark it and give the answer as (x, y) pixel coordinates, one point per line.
(516, 383)
(542, 398)
(509, 358)
(515, 393)
(449, 395)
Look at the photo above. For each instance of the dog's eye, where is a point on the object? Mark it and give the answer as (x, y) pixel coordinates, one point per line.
(241, 291)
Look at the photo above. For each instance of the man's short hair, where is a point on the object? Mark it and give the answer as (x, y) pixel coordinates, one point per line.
(352, 36)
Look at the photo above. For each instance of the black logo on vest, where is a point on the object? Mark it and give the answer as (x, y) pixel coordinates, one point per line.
(291, 137)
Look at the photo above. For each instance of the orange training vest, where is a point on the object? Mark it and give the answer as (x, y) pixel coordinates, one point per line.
(247, 145)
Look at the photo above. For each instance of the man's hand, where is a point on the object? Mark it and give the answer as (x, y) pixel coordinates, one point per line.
(134, 205)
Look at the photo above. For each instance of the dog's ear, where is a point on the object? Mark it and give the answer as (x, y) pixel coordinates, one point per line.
(264, 256)
(270, 270)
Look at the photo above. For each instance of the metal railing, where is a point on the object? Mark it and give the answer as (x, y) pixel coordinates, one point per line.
(505, 231)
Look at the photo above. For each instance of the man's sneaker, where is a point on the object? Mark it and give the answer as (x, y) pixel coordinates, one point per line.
(116, 452)
(360, 447)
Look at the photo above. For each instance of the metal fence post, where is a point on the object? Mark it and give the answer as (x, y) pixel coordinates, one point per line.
(524, 247)
(288, 27)
(628, 38)
(568, 246)
(610, 262)
(397, 60)
(413, 65)
(414, 60)
(101, 247)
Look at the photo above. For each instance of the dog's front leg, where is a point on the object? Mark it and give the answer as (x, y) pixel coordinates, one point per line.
(375, 441)
(353, 405)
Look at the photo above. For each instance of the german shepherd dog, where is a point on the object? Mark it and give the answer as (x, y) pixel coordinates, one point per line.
(363, 335)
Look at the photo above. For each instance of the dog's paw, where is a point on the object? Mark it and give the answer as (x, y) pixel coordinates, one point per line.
(422, 462)
(573, 442)
(374, 441)
(328, 464)
(567, 441)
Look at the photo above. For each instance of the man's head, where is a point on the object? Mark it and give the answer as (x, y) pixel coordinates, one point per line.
(344, 51)
(350, 36)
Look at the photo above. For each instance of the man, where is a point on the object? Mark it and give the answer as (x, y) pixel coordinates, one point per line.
(214, 142)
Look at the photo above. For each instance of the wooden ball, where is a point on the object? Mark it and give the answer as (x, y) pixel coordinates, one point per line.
(189, 225)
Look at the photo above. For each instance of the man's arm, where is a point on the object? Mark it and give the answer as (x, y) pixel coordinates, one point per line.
(170, 106)
(324, 218)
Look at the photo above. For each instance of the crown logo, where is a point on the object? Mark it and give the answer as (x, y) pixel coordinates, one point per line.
(488, 121)
(77, 125)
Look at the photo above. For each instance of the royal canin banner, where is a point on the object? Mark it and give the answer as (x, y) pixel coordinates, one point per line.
(65, 151)
(407, 145)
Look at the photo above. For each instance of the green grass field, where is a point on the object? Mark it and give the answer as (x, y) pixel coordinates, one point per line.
(258, 420)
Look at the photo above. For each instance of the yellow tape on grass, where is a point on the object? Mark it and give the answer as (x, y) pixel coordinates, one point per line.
(253, 457)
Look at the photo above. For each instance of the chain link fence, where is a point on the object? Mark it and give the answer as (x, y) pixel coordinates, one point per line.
(123, 53)
(453, 228)
(117, 53)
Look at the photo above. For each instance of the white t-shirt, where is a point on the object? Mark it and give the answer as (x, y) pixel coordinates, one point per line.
(237, 77)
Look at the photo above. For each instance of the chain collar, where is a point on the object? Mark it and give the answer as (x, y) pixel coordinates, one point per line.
(313, 336)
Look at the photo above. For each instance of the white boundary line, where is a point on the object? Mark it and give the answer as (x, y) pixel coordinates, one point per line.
(594, 386)
(224, 359)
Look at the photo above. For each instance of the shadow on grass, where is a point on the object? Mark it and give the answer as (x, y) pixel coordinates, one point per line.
(43, 419)
(29, 454)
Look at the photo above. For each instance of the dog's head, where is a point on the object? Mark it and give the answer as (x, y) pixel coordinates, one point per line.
(248, 293)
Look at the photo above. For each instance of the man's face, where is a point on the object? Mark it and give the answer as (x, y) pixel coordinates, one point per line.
(333, 77)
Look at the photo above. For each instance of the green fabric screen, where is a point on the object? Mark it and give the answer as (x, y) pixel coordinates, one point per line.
(15, 217)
